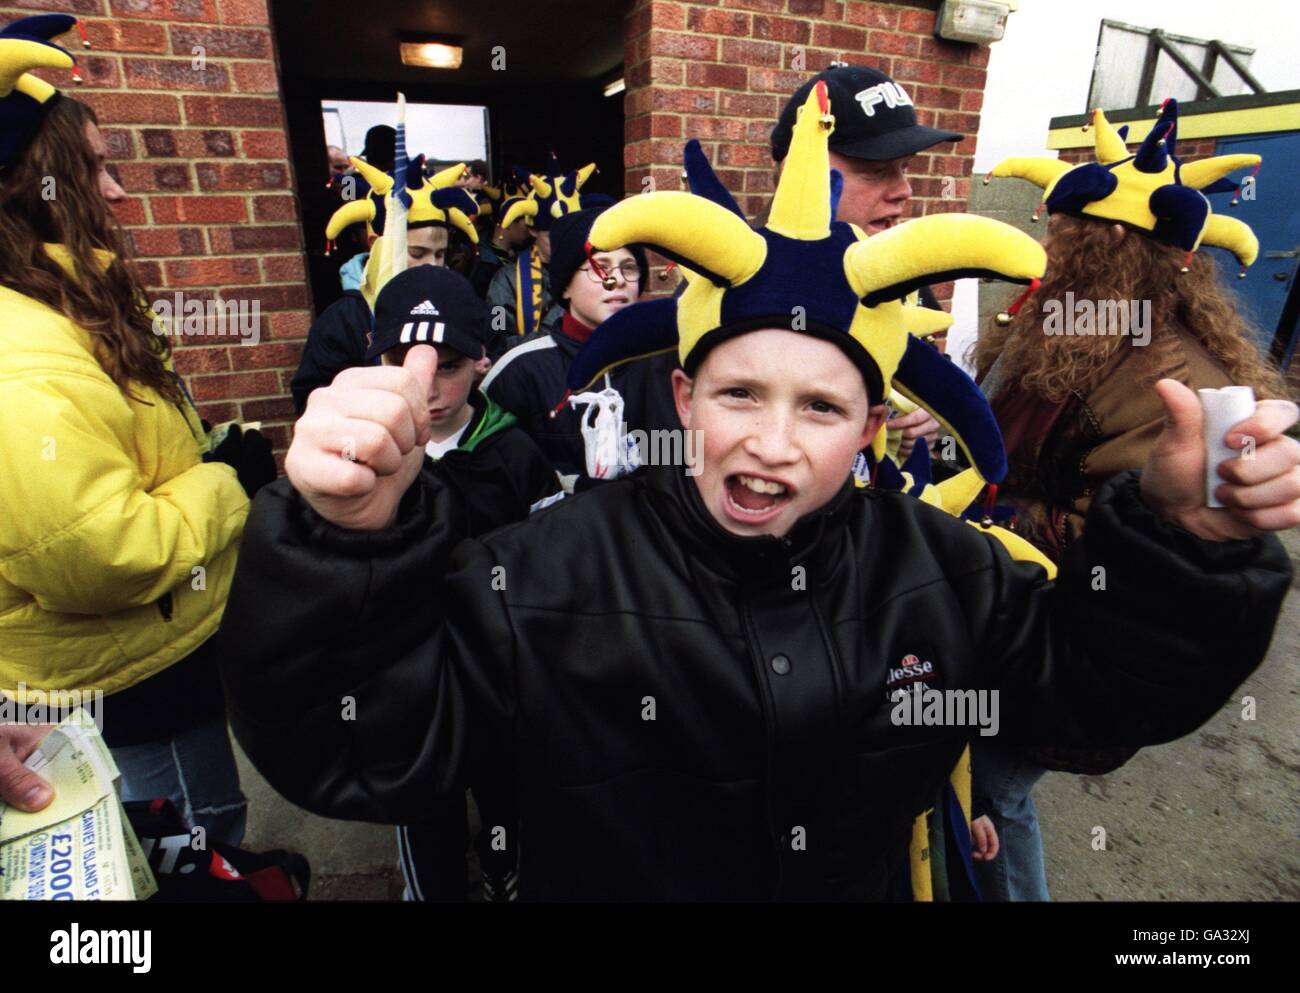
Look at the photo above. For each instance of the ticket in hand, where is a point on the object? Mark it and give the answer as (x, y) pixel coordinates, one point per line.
(1222, 409)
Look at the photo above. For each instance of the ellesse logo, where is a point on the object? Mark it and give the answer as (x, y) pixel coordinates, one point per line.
(911, 669)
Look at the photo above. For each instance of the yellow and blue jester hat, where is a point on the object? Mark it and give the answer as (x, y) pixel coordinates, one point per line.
(1150, 191)
(808, 273)
(26, 44)
(554, 194)
(434, 198)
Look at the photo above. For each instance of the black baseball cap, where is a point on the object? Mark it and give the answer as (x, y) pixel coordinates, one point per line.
(874, 116)
(429, 305)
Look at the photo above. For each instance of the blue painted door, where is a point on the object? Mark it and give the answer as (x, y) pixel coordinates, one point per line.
(1274, 215)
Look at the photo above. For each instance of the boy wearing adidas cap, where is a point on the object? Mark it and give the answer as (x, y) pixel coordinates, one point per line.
(499, 476)
(693, 671)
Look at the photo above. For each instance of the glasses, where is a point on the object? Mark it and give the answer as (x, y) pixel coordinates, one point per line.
(630, 270)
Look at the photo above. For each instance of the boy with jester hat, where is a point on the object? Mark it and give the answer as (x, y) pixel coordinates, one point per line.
(692, 671)
(498, 476)
(529, 379)
(521, 296)
(338, 339)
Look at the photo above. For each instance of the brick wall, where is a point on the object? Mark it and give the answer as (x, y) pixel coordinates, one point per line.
(721, 71)
(202, 152)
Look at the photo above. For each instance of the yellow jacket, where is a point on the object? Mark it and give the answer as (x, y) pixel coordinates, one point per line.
(117, 543)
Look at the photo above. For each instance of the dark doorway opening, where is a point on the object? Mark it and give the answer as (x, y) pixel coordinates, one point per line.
(539, 69)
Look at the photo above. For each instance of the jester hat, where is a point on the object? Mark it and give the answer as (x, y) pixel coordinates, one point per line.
(1150, 191)
(810, 274)
(28, 44)
(434, 198)
(554, 194)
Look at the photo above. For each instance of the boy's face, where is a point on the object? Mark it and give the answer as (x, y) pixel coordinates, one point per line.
(517, 235)
(589, 301)
(451, 384)
(778, 410)
(427, 246)
(875, 193)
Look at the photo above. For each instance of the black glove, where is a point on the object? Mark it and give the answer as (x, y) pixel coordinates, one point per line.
(249, 454)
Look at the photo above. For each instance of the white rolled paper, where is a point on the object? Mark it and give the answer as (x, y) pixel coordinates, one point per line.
(1222, 409)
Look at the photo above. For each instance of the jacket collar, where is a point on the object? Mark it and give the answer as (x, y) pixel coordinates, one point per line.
(762, 560)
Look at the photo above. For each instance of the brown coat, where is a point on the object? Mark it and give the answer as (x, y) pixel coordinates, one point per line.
(1059, 455)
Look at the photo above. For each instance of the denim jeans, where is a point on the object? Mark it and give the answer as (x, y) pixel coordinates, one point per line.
(196, 770)
(1002, 780)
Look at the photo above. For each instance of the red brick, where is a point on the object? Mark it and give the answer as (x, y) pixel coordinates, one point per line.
(713, 74)
(96, 71)
(174, 74)
(121, 145)
(748, 156)
(125, 36)
(723, 128)
(766, 6)
(153, 242)
(912, 70)
(916, 21)
(748, 105)
(134, 108)
(666, 71)
(665, 126)
(815, 8)
(244, 12)
(290, 324)
(279, 436)
(210, 272)
(733, 24)
(872, 15)
(150, 273)
(761, 180)
(198, 210)
(782, 81)
(147, 176)
(60, 6)
(215, 413)
(166, 10)
(254, 238)
(284, 268)
(957, 53)
(751, 53)
(222, 43)
(243, 176)
(683, 101)
(265, 145)
(275, 208)
(979, 55)
(187, 143)
(938, 97)
(256, 77)
(964, 77)
(840, 36)
(679, 45)
(235, 385)
(637, 75)
(189, 361)
(281, 409)
(253, 111)
(782, 29)
(293, 297)
(130, 211)
(264, 356)
(666, 15)
(954, 121)
(889, 43)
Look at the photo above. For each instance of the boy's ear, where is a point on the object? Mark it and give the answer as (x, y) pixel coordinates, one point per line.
(683, 391)
(876, 416)
(482, 366)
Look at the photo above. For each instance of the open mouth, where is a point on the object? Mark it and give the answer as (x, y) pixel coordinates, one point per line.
(755, 499)
(616, 299)
(884, 223)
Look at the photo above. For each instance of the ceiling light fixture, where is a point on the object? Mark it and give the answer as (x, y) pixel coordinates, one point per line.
(615, 88)
(431, 54)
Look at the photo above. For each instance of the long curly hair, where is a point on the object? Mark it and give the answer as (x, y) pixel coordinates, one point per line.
(51, 194)
(1084, 258)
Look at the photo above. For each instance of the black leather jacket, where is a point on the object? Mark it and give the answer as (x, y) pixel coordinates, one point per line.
(771, 767)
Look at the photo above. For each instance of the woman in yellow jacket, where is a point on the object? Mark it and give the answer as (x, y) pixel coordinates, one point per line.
(117, 541)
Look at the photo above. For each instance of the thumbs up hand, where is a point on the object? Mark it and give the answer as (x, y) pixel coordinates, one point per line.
(1260, 489)
(360, 443)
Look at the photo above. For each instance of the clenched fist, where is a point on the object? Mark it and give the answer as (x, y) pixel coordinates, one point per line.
(360, 442)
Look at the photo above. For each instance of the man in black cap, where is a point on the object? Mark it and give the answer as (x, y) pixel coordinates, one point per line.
(876, 135)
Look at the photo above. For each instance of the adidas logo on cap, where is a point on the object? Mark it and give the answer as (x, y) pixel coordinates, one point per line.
(424, 308)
